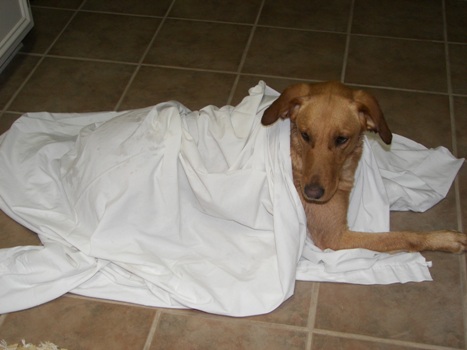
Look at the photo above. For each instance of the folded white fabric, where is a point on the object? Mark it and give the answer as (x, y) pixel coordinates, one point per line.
(167, 207)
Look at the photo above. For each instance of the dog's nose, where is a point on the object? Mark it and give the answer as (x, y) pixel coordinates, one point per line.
(314, 191)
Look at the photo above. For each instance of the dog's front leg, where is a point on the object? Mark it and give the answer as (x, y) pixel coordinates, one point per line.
(327, 224)
(409, 241)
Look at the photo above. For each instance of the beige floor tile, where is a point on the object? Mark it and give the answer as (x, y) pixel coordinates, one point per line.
(193, 89)
(293, 311)
(330, 15)
(63, 85)
(327, 342)
(237, 11)
(48, 24)
(80, 324)
(396, 18)
(441, 216)
(199, 45)
(13, 234)
(397, 63)
(424, 118)
(14, 75)
(456, 12)
(428, 313)
(190, 332)
(296, 54)
(139, 7)
(458, 67)
(106, 36)
(6, 120)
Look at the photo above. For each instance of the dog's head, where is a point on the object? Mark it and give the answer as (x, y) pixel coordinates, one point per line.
(328, 120)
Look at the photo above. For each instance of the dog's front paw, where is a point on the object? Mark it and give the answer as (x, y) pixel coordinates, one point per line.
(450, 241)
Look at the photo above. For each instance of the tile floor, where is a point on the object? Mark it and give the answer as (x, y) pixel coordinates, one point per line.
(118, 54)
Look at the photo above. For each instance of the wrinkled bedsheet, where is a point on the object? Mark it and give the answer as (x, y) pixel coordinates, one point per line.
(168, 207)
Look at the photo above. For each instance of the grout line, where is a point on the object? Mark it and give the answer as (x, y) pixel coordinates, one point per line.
(347, 41)
(309, 341)
(367, 338)
(312, 313)
(367, 86)
(391, 88)
(247, 320)
(210, 21)
(89, 59)
(245, 53)
(461, 260)
(449, 82)
(69, 9)
(460, 223)
(441, 41)
(435, 41)
(452, 117)
(206, 70)
(297, 29)
(140, 62)
(313, 305)
(119, 14)
(152, 330)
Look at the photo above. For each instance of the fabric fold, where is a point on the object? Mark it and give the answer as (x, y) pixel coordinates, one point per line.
(30, 276)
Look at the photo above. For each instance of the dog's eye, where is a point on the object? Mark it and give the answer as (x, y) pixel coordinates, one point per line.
(340, 140)
(305, 136)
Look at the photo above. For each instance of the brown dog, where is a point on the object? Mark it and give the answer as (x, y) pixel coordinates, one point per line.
(327, 125)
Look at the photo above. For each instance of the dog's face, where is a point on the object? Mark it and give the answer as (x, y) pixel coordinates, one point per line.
(328, 130)
(328, 120)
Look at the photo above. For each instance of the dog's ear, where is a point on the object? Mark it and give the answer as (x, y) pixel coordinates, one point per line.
(372, 115)
(287, 104)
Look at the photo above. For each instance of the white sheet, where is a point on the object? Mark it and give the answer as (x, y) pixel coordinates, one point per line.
(166, 207)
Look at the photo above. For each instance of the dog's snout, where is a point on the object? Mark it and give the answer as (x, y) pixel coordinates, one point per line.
(314, 191)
